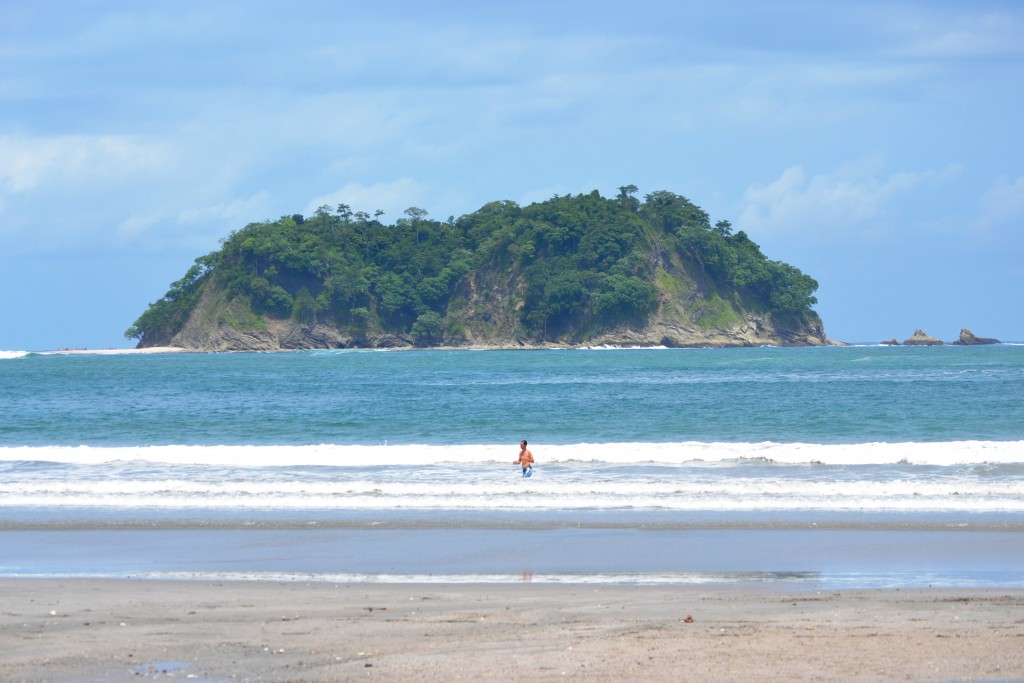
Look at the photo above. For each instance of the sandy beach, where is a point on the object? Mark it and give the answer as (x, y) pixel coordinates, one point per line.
(122, 630)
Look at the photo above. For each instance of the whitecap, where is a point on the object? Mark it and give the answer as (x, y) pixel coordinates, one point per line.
(946, 453)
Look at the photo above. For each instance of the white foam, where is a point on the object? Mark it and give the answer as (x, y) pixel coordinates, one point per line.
(925, 453)
(7, 355)
(616, 347)
(609, 578)
(566, 488)
(795, 579)
(112, 352)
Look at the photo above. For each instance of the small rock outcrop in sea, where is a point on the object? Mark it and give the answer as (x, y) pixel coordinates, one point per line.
(967, 338)
(891, 342)
(921, 338)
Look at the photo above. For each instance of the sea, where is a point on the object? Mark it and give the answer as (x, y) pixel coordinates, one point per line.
(859, 466)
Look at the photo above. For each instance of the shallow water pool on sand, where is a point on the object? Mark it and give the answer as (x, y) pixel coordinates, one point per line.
(789, 557)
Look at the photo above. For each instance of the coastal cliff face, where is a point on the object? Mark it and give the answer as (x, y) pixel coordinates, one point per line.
(488, 316)
(282, 335)
(967, 338)
(690, 313)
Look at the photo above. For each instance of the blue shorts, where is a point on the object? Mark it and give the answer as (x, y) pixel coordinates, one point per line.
(528, 471)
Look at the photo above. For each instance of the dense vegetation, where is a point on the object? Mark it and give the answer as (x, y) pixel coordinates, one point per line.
(578, 265)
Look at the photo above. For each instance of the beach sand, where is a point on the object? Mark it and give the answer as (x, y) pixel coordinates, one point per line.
(127, 630)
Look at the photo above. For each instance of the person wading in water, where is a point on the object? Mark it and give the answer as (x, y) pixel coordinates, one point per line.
(525, 459)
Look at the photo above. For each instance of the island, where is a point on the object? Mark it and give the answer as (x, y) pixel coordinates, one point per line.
(921, 338)
(575, 270)
(967, 338)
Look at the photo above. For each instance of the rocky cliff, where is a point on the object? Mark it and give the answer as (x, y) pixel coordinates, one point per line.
(921, 338)
(967, 338)
(489, 319)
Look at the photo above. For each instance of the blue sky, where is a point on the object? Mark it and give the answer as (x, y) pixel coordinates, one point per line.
(876, 146)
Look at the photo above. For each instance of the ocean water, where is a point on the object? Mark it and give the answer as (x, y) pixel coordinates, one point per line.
(890, 465)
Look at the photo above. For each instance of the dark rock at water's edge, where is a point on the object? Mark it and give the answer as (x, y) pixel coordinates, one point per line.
(921, 338)
(967, 338)
(203, 334)
(891, 342)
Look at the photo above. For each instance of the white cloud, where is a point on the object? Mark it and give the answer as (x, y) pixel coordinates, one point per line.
(961, 35)
(28, 162)
(850, 196)
(72, 191)
(1002, 205)
(391, 197)
(230, 212)
(543, 194)
(196, 227)
(137, 224)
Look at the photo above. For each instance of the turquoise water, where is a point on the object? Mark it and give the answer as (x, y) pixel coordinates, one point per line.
(854, 466)
(815, 395)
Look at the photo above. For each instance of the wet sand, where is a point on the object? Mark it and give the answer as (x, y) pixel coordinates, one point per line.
(124, 630)
(796, 558)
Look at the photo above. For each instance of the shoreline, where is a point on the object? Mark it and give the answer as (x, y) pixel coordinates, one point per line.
(551, 346)
(121, 630)
(801, 559)
(172, 350)
(494, 524)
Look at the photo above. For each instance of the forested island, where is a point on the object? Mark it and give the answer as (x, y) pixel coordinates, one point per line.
(573, 270)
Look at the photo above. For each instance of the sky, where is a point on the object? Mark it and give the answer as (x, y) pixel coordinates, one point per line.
(877, 146)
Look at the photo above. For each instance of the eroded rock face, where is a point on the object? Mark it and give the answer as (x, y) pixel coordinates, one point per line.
(891, 342)
(967, 338)
(755, 330)
(289, 335)
(921, 338)
(488, 317)
(282, 335)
